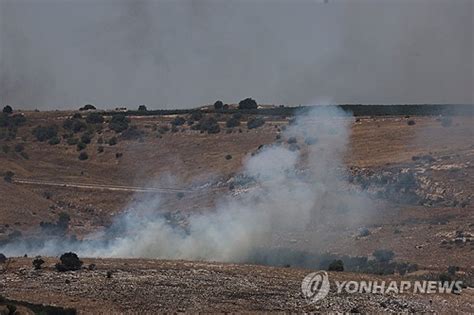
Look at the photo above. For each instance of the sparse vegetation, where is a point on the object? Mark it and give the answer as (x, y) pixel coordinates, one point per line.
(142, 108)
(411, 122)
(75, 125)
(45, 133)
(228, 157)
(19, 148)
(3, 258)
(208, 124)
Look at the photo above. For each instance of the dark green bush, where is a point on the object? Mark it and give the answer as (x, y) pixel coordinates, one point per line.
(54, 140)
(255, 122)
(383, 255)
(87, 107)
(232, 122)
(8, 176)
(142, 108)
(119, 123)
(248, 103)
(8, 109)
(45, 133)
(178, 121)
(69, 262)
(112, 141)
(336, 265)
(83, 156)
(218, 105)
(94, 118)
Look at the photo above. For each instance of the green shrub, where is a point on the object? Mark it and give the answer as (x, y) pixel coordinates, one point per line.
(232, 122)
(8, 176)
(255, 122)
(54, 141)
(218, 105)
(178, 121)
(5, 148)
(69, 262)
(142, 108)
(45, 133)
(94, 118)
(86, 138)
(8, 109)
(112, 141)
(83, 156)
(383, 255)
(119, 123)
(248, 103)
(336, 265)
(75, 125)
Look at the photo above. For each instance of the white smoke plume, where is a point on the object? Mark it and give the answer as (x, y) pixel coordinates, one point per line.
(293, 190)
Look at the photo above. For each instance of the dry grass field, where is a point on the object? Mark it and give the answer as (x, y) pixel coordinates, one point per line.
(190, 170)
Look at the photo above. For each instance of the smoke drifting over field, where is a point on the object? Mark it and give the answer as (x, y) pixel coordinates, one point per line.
(283, 199)
(62, 54)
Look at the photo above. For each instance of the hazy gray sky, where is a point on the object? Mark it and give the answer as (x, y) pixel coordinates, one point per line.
(174, 54)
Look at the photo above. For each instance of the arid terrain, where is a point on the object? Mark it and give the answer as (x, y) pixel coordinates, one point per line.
(417, 171)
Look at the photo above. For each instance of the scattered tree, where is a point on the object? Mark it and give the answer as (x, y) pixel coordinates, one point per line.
(248, 103)
(178, 121)
(87, 107)
(112, 141)
(69, 262)
(218, 105)
(54, 140)
(8, 109)
(142, 108)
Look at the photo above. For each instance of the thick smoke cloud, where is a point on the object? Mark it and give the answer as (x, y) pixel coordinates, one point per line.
(292, 192)
(170, 54)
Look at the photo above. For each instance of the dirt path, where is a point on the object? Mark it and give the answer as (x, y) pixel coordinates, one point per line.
(103, 187)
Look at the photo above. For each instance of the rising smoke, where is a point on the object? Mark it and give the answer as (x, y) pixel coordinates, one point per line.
(292, 192)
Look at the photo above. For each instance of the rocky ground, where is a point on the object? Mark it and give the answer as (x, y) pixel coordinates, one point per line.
(146, 286)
